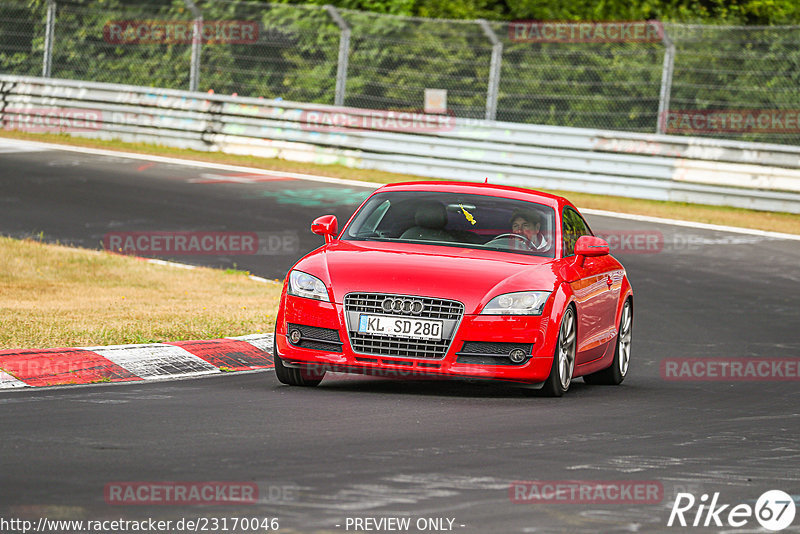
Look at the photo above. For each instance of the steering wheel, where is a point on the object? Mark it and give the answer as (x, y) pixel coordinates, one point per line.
(524, 239)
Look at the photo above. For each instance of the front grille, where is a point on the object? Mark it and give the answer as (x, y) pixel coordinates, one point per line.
(314, 337)
(480, 359)
(317, 345)
(490, 353)
(448, 311)
(493, 348)
(432, 308)
(395, 346)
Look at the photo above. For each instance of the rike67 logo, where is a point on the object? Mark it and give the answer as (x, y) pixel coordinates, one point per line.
(774, 510)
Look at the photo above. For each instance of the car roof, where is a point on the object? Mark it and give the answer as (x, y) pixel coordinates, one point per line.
(505, 191)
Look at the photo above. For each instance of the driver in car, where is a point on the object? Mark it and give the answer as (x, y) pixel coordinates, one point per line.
(528, 224)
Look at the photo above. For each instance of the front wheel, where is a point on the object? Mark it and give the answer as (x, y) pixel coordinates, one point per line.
(564, 358)
(615, 374)
(292, 376)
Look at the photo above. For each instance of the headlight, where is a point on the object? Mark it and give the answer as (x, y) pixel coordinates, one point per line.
(304, 285)
(522, 303)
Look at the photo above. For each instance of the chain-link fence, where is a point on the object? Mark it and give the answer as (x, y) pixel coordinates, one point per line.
(734, 82)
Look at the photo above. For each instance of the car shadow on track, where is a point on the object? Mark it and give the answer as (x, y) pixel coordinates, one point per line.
(441, 388)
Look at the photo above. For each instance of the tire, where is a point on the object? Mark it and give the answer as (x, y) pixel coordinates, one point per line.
(618, 370)
(563, 358)
(292, 376)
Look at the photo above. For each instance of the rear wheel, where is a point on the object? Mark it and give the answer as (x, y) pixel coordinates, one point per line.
(615, 374)
(292, 376)
(564, 358)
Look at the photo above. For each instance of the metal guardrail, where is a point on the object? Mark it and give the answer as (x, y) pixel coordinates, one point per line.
(640, 76)
(697, 170)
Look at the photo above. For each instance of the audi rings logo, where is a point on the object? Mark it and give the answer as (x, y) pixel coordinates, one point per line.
(401, 305)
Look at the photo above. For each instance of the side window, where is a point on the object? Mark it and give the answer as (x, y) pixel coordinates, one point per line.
(372, 222)
(573, 227)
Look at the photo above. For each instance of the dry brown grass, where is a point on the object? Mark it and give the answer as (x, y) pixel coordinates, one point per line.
(55, 296)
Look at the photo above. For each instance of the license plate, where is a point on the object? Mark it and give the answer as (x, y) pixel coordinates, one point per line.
(400, 326)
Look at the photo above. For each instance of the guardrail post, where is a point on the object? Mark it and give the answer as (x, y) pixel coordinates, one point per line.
(344, 55)
(197, 43)
(666, 83)
(49, 32)
(494, 70)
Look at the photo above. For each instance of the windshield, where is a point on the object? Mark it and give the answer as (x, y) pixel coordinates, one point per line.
(453, 219)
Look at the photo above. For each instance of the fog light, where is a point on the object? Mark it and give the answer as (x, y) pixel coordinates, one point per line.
(517, 355)
(294, 336)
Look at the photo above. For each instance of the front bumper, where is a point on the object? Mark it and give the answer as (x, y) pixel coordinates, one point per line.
(464, 358)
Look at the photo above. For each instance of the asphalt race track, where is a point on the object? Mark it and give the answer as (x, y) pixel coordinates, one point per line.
(82, 200)
(369, 448)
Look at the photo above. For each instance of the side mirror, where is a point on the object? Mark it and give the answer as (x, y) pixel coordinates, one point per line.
(588, 245)
(328, 226)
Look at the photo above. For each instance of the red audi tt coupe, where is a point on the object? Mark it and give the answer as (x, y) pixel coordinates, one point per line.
(457, 280)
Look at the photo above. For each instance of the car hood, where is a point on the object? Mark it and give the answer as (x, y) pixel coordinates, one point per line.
(470, 276)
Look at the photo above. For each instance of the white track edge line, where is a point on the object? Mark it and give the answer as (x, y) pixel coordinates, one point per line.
(196, 163)
(170, 263)
(188, 266)
(325, 179)
(690, 224)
